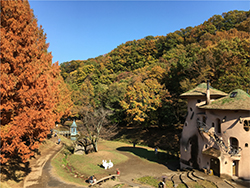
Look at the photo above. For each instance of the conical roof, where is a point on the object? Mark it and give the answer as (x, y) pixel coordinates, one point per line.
(201, 90)
(73, 124)
(236, 100)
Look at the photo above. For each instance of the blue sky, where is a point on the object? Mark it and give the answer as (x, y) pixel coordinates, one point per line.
(78, 30)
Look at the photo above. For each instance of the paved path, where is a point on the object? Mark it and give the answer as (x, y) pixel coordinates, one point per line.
(40, 175)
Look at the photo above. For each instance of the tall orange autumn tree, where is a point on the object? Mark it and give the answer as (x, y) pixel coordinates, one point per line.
(30, 91)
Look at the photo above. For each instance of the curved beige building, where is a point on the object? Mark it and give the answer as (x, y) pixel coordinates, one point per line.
(216, 133)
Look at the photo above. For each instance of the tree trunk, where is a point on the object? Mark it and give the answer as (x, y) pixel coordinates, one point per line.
(95, 146)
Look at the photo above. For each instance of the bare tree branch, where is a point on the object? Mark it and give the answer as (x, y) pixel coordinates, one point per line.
(97, 124)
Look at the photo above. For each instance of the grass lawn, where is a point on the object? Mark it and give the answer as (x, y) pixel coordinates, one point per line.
(148, 180)
(86, 165)
(201, 184)
(146, 153)
(77, 168)
(57, 163)
(90, 164)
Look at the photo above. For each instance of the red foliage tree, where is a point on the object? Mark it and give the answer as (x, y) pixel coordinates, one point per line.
(29, 83)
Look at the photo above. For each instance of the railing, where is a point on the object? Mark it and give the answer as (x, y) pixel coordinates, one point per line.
(62, 132)
(235, 151)
(229, 150)
(66, 132)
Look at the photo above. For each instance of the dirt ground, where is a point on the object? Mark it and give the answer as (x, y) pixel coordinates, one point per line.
(41, 175)
(136, 167)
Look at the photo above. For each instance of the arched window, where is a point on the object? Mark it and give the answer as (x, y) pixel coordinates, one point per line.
(234, 143)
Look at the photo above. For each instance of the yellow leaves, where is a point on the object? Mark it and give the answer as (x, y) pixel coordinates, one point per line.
(157, 72)
(137, 118)
(73, 73)
(87, 87)
(124, 105)
(137, 114)
(5, 129)
(144, 96)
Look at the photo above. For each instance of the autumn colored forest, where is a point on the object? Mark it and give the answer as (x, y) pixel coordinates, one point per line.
(139, 81)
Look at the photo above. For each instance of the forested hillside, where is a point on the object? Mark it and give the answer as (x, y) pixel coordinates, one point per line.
(141, 80)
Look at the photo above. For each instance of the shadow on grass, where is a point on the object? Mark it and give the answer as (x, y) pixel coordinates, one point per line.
(167, 159)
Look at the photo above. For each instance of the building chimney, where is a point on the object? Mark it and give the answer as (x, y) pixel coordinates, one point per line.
(208, 93)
